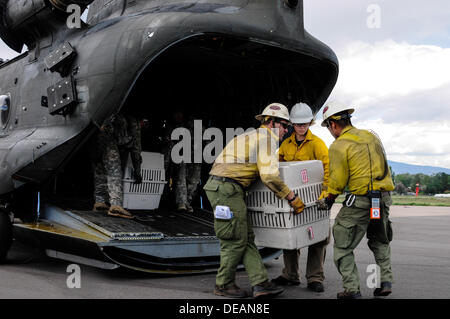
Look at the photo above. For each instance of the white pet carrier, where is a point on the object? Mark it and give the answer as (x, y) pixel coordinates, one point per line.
(147, 194)
(274, 223)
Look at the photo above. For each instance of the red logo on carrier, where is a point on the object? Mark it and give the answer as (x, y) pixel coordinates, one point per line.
(304, 174)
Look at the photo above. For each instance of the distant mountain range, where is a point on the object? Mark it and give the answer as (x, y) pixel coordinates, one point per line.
(402, 168)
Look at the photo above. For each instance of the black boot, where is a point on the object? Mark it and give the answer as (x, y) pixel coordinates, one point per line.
(230, 291)
(266, 289)
(316, 286)
(384, 290)
(281, 281)
(349, 295)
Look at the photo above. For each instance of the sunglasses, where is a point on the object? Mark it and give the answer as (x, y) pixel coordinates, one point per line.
(284, 124)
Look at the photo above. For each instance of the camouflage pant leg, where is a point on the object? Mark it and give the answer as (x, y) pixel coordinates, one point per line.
(193, 179)
(167, 171)
(136, 147)
(109, 178)
(100, 180)
(181, 190)
(100, 183)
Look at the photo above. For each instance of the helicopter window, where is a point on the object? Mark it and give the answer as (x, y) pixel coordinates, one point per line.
(5, 106)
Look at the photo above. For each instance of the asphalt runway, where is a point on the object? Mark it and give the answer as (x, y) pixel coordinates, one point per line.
(420, 262)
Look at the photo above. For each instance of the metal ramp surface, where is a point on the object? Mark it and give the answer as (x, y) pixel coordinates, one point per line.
(149, 225)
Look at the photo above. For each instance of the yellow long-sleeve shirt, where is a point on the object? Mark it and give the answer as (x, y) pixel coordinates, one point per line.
(250, 155)
(356, 158)
(311, 148)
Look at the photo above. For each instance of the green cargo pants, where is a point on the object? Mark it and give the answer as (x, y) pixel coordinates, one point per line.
(350, 226)
(237, 240)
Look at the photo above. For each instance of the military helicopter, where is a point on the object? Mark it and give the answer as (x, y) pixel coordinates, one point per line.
(222, 60)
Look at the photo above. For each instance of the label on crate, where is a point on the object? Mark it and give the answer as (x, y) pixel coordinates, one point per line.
(304, 174)
(223, 212)
(310, 232)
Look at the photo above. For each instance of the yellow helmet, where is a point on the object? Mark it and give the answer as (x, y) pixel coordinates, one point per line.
(274, 110)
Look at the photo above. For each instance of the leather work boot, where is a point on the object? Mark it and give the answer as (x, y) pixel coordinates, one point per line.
(281, 281)
(349, 295)
(100, 207)
(266, 289)
(316, 286)
(384, 290)
(230, 291)
(119, 211)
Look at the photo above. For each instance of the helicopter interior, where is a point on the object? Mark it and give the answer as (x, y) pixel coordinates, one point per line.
(223, 81)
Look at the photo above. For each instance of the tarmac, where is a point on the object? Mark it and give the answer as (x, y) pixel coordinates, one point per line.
(420, 253)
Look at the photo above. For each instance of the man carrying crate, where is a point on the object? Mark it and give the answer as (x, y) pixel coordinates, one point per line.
(358, 161)
(302, 145)
(243, 160)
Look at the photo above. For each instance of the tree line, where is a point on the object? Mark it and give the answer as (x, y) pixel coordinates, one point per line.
(428, 184)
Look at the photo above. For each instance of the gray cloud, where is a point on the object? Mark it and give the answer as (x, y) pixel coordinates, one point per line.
(415, 21)
(425, 106)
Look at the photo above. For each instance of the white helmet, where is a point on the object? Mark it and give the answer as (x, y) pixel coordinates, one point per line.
(302, 113)
(274, 110)
(333, 108)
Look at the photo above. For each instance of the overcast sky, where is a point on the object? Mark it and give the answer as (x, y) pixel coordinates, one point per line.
(394, 70)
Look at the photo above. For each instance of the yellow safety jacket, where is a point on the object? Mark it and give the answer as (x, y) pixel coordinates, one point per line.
(357, 160)
(249, 156)
(311, 148)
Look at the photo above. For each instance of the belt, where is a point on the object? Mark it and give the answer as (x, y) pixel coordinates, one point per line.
(227, 179)
(378, 192)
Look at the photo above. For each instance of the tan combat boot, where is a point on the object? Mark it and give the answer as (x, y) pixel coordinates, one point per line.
(100, 207)
(119, 211)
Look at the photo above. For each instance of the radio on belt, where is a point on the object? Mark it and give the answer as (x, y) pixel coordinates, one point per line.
(375, 212)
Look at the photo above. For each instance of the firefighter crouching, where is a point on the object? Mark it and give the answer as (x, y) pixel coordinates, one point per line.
(243, 160)
(358, 161)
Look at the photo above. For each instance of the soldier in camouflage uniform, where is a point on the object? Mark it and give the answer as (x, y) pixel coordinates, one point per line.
(185, 176)
(114, 142)
(167, 145)
(127, 133)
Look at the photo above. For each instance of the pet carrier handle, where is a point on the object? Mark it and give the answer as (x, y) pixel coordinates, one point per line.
(269, 209)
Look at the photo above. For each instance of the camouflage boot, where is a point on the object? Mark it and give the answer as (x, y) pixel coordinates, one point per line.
(119, 211)
(100, 207)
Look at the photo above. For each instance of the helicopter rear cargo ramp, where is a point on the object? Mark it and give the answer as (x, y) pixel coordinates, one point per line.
(154, 241)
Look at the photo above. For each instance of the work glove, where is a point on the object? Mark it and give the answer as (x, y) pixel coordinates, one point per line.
(297, 205)
(326, 203)
(324, 194)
